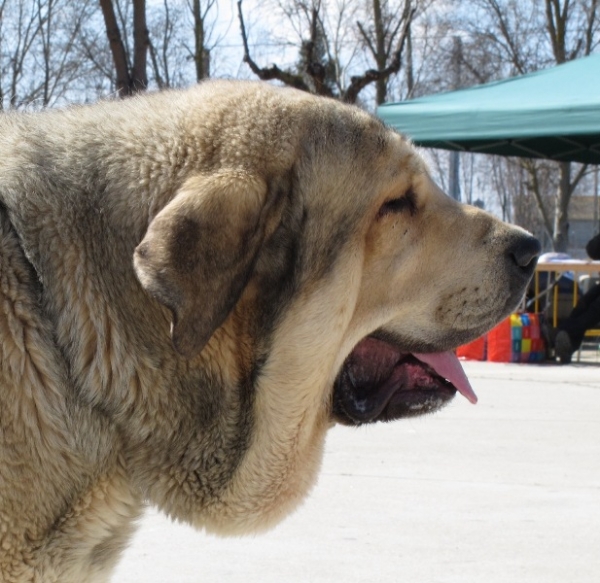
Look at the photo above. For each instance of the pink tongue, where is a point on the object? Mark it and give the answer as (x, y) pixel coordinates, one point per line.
(448, 366)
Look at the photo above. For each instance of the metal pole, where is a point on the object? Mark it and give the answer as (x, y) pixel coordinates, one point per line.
(454, 177)
(596, 225)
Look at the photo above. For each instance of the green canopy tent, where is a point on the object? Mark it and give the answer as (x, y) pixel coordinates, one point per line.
(554, 113)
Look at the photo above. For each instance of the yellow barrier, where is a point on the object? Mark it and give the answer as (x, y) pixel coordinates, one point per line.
(557, 268)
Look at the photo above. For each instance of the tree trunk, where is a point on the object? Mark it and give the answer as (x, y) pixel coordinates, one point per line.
(128, 82)
(201, 54)
(561, 216)
(380, 56)
(410, 75)
(117, 48)
(141, 42)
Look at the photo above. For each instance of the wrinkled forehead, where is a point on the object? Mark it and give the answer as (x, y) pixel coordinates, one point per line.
(384, 148)
(403, 156)
(396, 166)
(365, 140)
(357, 163)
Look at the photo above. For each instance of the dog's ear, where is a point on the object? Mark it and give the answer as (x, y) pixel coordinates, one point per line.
(199, 251)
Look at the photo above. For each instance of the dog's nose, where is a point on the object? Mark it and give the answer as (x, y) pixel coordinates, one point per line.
(524, 253)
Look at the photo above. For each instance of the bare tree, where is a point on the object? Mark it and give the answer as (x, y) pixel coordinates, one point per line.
(291, 78)
(130, 66)
(40, 58)
(169, 46)
(201, 52)
(59, 29)
(386, 37)
(19, 22)
(160, 57)
(383, 36)
(176, 37)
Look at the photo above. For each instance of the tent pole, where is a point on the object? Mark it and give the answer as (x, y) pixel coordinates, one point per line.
(596, 225)
(454, 177)
(453, 182)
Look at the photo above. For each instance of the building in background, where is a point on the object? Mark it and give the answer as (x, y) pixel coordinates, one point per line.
(583, 223)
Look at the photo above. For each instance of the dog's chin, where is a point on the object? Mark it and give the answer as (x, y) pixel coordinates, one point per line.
(381, 382)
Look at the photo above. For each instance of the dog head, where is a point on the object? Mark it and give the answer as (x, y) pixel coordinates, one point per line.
(310, 257)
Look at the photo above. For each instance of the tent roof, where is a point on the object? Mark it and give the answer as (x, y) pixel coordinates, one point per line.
(553, 113)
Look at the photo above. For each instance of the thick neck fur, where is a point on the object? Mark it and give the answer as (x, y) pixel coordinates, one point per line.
(79, 218)
(186, 423)
(79, 223)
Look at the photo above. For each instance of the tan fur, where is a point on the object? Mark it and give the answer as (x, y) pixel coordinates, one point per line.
(182, 276)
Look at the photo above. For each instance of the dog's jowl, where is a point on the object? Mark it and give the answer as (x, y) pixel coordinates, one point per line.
(195, 286)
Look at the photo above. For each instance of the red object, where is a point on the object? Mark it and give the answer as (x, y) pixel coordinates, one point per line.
(473, 350)
(500, 347)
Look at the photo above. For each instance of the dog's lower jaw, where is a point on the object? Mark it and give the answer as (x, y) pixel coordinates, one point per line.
(253, 504)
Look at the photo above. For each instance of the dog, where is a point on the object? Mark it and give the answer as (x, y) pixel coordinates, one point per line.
(195, 287)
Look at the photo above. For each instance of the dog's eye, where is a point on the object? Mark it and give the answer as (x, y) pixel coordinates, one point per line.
(407, 202)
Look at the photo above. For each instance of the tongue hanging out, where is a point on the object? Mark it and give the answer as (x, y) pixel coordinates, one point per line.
(448, 367)
(378, 382)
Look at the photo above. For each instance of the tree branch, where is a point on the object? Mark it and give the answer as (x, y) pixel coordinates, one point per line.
(359, 82)
(268, 73)
(366, 39)
(510, 45)
(582, 172)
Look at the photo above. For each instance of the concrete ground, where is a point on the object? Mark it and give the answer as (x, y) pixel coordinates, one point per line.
(507, 491)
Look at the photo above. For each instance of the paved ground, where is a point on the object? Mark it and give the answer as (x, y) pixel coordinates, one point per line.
(507, 491)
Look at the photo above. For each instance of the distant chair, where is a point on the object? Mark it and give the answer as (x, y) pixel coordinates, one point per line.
(560, 301)
(586, 282)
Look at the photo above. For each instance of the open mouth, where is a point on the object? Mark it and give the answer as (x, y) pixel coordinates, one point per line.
(379, 382)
